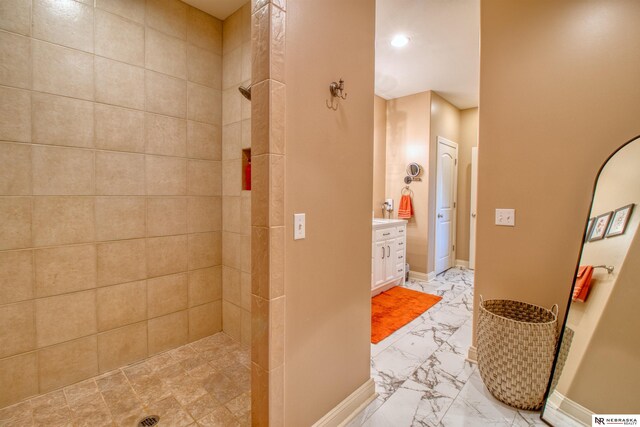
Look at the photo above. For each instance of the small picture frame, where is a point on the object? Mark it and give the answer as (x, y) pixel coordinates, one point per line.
(589, 228)
(620, 220)
(600, 226)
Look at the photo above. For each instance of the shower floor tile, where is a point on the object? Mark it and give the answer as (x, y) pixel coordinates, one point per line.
(205, 383)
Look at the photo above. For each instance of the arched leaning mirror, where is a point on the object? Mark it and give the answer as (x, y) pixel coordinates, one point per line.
(596, 370)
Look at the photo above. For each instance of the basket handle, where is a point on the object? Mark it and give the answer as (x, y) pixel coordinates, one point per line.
(481, 300)
(554, 310)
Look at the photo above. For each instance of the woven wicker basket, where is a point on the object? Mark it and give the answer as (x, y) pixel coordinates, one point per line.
(516, 346)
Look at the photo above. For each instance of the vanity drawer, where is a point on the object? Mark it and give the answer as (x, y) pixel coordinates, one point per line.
(400, 244)
(400, 257)
(401, 231)
(399, 270)
(385, 233)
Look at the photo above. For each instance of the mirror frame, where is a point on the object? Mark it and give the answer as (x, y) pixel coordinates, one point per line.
(573, 283)
(408, 170)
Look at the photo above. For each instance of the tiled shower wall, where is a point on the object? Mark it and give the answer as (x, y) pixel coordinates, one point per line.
(110, 187)
(236, 205)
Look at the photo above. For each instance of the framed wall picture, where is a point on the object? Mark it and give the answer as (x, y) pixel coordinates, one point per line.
(620, 220)
(589, 228)
(600, 226)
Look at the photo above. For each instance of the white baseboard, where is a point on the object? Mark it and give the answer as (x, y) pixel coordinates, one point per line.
(462, 263)
(569, 408)
(416, 275)
(472, 354)
(346, 410)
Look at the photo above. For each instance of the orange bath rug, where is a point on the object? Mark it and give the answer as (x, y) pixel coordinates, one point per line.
(396, 307)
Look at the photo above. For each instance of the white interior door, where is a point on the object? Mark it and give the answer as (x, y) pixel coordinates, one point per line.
(473, 207)
(446, 180)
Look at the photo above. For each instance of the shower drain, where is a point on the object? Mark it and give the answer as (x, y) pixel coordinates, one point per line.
(149, 421)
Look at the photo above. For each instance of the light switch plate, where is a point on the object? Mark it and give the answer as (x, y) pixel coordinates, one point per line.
(299, 226)
(506, 217)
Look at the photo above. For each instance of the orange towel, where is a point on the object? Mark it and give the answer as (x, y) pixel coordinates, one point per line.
(583, 282)
(405, 211)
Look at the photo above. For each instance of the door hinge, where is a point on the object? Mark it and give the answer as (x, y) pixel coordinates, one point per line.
(454, 204)
(454, 248)
(456, 162)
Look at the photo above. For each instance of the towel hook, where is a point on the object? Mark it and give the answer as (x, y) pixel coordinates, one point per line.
(337, 91)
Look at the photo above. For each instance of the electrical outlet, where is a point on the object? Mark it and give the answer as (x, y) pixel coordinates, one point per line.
(299, 226)
(506, 217)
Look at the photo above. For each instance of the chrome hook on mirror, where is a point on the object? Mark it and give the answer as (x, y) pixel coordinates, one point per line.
(337, 91)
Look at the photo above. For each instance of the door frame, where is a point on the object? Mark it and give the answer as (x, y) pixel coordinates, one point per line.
(473, 208)
(445, 141)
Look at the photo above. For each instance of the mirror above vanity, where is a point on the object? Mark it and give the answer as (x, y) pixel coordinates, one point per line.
(596, 369)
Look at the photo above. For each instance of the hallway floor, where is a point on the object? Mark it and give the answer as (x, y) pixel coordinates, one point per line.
(421, 372)
(205, 383)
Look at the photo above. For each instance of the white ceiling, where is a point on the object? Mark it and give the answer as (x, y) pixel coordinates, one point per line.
(221, 9)
(443, 54)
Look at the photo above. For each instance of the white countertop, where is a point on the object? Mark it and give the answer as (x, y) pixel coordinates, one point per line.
(383, 223)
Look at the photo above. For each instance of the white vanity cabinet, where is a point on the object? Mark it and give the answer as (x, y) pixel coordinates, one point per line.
(388, 254)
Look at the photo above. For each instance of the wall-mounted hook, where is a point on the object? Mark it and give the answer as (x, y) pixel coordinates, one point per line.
(337, 91)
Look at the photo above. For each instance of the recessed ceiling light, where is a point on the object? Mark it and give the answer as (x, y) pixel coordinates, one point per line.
(399, 40)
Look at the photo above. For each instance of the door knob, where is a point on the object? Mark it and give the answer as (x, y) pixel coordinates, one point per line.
(439, 215)
(473, 215)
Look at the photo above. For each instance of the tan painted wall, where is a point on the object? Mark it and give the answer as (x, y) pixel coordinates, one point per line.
(329, 165)
(468, 139)
(408, 141)
(445, 122)
(618, 185)
(558, 93)
(236, 202)
(110, 184)
(379, 154)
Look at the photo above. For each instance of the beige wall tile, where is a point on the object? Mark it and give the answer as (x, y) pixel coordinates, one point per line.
(257, 4)
(63, 220)
(52, 66)
(67, 363)
(232, 32)
(231, 214)
(15, 52)
(231, 286)
(130, 9)
(62, 171)
(18, 332)
(245, 327)
(267, 259)
(267, 391)
(168, 331)
(232, 68)
(204, 31)
(165, 95)
(232, 138)
(167, 294)
(245, 213)
(79, 317)
(121, 305)
(65, 269)
(60, 120)
(119, 174)
(15, 16)
(268, 33)
(166, 216)
(204, 178)
(245, 291)
(118, 128)
(165, 54)
(232, 173)
(122, 346)
(166, 135)
(120, 218)
(231, 106)
(15, 115)
(204, 67)
(166, 255)
(205, 320)
(120, 84)
(245, 254)
(268, 113)
(15, 169)
(245, 104)
(204, 141)
(204, 104)
(15, 217)
(166, 176)
(16, 276)
(267, 202)
(19, 374)
(63, 22)
(204, 214)
(205, 285)
(120, 262)
(231, 250)
(168, 16)
(204, 250)
(119, 39)
(267, 328)
(246, 58)
(246, 134)
(231, 320)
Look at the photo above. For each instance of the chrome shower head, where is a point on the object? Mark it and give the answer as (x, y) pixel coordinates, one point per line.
(245, 91)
